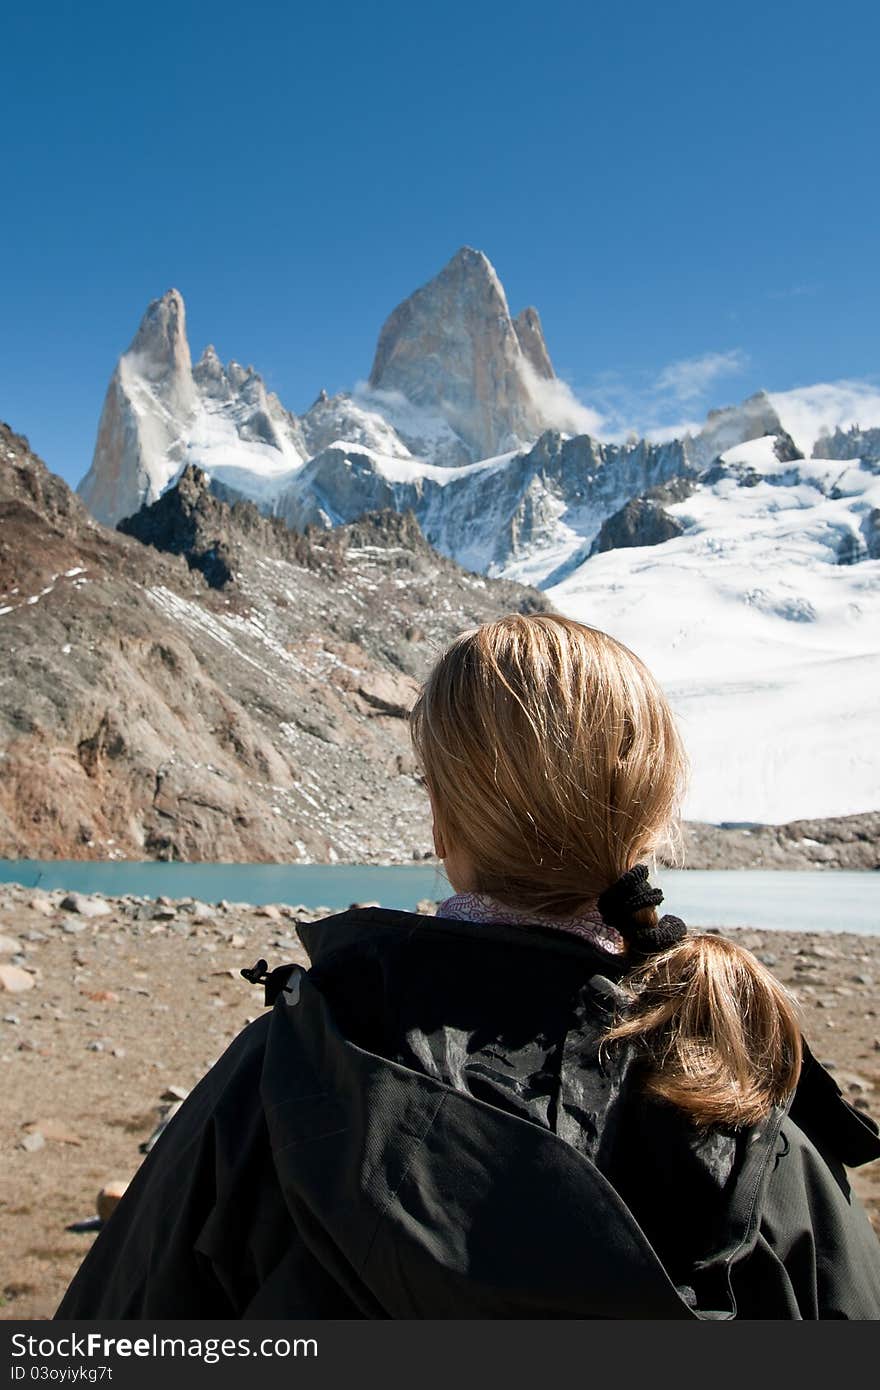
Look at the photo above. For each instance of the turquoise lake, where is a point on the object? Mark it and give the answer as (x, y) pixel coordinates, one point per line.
(801, 901)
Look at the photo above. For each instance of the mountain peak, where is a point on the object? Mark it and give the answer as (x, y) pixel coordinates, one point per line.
(160, 342)
(471, 272)
(149, 403)
(452, 349)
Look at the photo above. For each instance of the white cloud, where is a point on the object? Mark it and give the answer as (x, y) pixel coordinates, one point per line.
(665, 404)
(691, 378)
(809, 411)
(661, 434)
(560, 406)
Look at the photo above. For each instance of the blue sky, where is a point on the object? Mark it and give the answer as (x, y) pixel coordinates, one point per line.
(687, 192)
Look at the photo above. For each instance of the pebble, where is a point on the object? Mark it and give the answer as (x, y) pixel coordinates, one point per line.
(14, 1018)
(15, 980)
(269, 910)
(32, 1142)
(95, 1045)
(72, 926)
(766, 958)
(9, 946)
(862, 979)
(85, 906)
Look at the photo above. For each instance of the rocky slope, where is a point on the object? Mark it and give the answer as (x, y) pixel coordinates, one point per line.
(237, 695)
(836, 842)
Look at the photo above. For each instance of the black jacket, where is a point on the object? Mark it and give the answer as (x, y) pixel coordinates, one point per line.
(422, 1127)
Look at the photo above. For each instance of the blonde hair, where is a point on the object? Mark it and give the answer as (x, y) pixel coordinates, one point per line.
(553, 760)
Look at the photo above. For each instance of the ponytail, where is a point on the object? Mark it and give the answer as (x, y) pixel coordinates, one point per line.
(719, 1036)
(554, 764)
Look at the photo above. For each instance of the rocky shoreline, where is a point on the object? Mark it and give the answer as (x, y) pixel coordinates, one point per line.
(112, 1008)
(833, 842)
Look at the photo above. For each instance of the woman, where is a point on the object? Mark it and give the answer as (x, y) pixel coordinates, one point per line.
(544, 1102)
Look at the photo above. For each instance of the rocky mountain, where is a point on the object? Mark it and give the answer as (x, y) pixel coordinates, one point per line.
(453, 350)
(455, 379)
(462, 421)
(226, 691)
(161, 411)
(535, 508)
(735, 424)
(854, 443)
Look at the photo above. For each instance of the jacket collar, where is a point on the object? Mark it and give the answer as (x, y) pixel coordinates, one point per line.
(369, 928)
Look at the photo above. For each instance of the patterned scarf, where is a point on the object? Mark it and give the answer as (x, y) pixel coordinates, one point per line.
(479, 907)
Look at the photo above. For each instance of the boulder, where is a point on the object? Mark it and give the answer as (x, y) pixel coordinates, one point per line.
(85, 906)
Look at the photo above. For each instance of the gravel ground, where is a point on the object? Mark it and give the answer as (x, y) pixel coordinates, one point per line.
(129, 1007)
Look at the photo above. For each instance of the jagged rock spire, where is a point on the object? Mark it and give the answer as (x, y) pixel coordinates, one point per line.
(149, 401)
(453, 348)
(531, 339)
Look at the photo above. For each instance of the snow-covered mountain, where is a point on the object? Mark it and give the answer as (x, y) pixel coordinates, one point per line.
(161, 413)
(762, 619)
(455, 380)
(741, 560)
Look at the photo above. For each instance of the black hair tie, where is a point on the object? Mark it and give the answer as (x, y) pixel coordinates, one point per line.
(630, 894)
